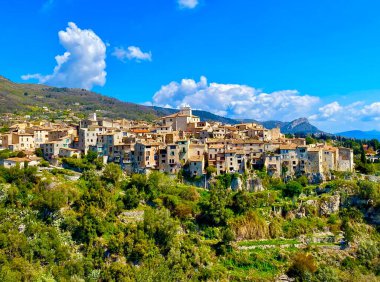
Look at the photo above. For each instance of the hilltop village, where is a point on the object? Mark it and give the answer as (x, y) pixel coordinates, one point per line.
(176, 142)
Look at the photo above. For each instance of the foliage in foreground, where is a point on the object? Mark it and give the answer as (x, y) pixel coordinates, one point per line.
(109, 227)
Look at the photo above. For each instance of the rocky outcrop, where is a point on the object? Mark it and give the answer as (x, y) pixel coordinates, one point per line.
(329, 205)
(237, 184)
(251, 184)
(255, 184)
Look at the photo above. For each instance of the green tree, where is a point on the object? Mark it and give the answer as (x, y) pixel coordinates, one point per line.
(131, 198)
(39, 152)
(91, 156)
(112, 173)
(215, 211)
(292, 188)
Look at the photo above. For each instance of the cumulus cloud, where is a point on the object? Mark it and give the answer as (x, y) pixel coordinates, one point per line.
(234, 100)
(358, 115)
(82, 65)
(330, 110)
(132, 53)
(371, 112)
(187, 4)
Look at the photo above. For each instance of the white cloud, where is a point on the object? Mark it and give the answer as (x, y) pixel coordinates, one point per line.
(330, 110)
(371, 112)
(82, 65)
(132, 53)
(187, 4)
(336, 117)
(234, 100)
(242, 101)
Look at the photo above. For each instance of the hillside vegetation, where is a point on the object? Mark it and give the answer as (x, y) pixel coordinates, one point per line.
(29, 98)
(107, 226)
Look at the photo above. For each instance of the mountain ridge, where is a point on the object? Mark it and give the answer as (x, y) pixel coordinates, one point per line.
(359, 134)
(25, 98)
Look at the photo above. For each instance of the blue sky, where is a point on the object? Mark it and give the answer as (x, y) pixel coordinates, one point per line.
(243, 58)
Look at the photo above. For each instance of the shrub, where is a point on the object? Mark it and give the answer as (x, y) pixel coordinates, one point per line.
(303, 180)
(250, 226)
(292, 189)
(303, 266)
(131, 198)
(112, 173)
(210, 170)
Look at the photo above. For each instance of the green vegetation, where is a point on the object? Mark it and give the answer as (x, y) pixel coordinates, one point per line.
(88, 162)
(107, 226)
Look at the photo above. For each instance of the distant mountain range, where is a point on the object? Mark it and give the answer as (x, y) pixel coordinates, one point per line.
(25, 98)
(300, 126)
(358, 134)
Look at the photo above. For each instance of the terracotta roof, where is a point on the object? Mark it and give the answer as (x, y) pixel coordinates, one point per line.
(288, 147)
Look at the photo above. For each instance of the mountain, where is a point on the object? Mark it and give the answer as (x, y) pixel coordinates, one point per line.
(300, 126)
(30, 98)
(25, 98)
(273, 124)
(358, 134)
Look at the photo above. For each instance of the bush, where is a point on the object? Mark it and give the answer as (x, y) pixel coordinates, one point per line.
(112, 173)
(367, 252)
(39, 152)
(131, 198)
(250, 226)
(292, 189)
(303, 180)
(302, 267)
(210, 170)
